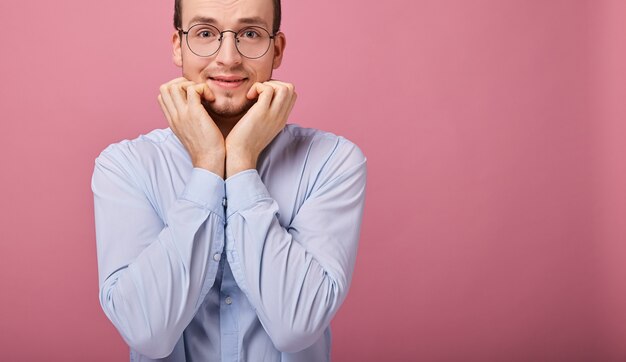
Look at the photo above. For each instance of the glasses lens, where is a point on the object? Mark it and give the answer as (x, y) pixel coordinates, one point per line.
(253, 42)
(203, 39)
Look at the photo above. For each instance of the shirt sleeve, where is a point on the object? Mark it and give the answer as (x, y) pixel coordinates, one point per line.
(296, 277)
(153, 275)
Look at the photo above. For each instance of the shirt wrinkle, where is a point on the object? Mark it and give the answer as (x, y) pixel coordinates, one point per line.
(243, 270)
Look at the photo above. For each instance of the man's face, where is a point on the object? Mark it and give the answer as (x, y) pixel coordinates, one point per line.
(230, 98)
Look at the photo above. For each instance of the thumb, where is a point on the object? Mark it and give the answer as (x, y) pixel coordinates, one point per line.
(254, 91)
(207, 92)
(193, 93)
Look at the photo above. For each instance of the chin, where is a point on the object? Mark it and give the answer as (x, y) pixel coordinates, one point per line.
(227, 107)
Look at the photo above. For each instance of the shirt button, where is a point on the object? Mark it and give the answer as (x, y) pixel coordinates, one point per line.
(229, 300)
(217, 256)
(224, 202)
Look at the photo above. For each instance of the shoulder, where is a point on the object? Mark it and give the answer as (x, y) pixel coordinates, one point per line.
(329, 153)
(322, 141)
(143, 157)
(145, 146)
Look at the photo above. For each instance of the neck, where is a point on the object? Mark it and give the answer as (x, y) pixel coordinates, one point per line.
(224, 123)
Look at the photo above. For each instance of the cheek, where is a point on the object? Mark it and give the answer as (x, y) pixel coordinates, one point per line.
(193, 67)
(263, 70)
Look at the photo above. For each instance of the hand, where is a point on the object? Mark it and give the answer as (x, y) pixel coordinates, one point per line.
(258, 127)
(181, 103)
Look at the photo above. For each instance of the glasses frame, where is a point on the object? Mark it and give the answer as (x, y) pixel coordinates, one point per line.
(272, 36)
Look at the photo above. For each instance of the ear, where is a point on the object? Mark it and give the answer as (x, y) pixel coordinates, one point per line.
(177, 55)
(280, 41)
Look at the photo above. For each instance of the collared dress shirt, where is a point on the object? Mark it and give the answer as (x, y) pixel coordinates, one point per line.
(253, 268)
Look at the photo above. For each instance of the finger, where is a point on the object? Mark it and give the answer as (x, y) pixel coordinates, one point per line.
(265, 94)
(291, 104)
(285, 110)
(254, 91)
(289, 86)
(282, 97)
(164, 109)
(175, 81)
(280, 86)
(166, 99)
(182, 86)
(199, 88)
(281, 89)
(193, 93)
(180, 100)
(208, 93)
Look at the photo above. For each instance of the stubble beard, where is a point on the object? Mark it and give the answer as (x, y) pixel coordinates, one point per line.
(225, 107)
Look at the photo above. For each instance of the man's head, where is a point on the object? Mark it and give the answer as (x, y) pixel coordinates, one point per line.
(231, 101)
(178, 20)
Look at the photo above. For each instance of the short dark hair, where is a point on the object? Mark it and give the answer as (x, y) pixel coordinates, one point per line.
(178, 17)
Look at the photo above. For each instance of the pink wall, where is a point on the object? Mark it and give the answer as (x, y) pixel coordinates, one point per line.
(495, 136)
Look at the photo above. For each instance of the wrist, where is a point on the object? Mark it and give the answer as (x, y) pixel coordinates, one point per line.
(213, 164)
(239, 161)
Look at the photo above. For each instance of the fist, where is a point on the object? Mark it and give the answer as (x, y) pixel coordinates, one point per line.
(181, 102)
(258, 127)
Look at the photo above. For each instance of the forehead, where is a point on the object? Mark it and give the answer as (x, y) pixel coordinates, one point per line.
(228, 13)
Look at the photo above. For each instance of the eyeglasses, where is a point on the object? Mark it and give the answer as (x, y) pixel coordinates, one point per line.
(205, 40)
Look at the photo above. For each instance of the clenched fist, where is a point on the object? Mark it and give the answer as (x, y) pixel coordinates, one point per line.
(258, 127)
(181, 102)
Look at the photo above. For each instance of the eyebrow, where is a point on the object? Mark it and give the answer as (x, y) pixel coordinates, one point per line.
(199, 19)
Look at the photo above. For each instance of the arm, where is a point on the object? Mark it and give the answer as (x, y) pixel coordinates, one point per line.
(297, 277)
(152, 276)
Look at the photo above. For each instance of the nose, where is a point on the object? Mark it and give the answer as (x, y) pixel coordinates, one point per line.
(228, 54)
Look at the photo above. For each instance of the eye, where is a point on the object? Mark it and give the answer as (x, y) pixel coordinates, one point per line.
(249, 34)
(204, 33)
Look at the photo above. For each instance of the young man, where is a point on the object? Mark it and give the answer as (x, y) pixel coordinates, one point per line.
(229, 235)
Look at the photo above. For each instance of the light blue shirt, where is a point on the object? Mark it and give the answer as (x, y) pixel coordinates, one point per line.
(195, 268)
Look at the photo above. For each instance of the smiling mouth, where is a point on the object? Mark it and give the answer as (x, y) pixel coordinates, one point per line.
(228, 83)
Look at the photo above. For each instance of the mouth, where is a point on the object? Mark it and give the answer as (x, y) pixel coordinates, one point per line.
(228, 82)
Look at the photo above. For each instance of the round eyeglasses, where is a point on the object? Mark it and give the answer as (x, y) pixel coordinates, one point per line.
(205, 40)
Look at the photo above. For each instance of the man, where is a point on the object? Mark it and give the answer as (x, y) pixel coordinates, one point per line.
(229, 235)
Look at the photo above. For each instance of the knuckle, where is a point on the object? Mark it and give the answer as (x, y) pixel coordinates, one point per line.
(282, 90)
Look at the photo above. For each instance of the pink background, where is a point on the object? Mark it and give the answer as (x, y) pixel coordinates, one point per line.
(495, 134)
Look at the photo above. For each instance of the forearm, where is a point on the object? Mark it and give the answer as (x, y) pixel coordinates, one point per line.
(294, 295)
(152, 300)
(153, 276)
(298, 277)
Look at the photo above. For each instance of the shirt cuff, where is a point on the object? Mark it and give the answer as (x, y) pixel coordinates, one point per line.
(243, 190)
(205, 189)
